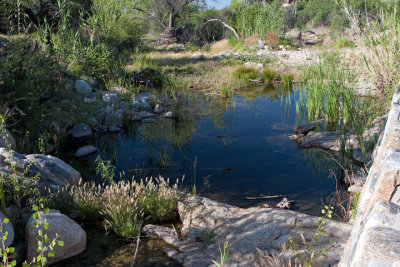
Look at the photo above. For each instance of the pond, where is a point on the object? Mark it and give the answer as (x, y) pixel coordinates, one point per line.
(226, 150)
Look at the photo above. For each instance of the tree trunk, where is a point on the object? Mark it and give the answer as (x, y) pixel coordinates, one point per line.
(171, 22)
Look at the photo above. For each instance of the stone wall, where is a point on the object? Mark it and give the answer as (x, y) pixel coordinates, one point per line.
(375, 238)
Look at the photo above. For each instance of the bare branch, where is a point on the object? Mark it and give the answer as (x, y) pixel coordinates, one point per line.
(223, 23)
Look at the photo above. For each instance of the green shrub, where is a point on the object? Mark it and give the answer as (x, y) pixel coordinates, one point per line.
(269, 75)
(246, 74)
(235, 43)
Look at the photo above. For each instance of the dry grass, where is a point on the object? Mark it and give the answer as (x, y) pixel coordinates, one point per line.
(251, 40)
(220, 46)
(272, 40)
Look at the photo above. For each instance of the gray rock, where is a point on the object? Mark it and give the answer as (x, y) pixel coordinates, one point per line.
(89, 79)
(69, 231)
(159, 109)
(85, 151)
(149, 120)
(53, 170)
(245, 230)
(119, 89)
(198, 56)
(80, 130)
(168, 115)
(145, 114)
(307, 127)
(6, 139)
(111, 97)
(114, 129)
(83, 87)
(140, 103)
(7, 228)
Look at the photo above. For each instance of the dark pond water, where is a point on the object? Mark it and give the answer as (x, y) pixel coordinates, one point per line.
(240, 146)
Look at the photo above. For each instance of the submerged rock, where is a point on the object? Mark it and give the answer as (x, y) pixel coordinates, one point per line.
(285, 204)
(80, 130)
(6, 227)
(85, 151)
(73, 236)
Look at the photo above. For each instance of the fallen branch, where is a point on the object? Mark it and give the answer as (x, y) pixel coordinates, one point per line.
(136, 250)
(263, 197)
(223, 23)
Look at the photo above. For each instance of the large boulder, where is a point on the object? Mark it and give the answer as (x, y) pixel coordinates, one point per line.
(53, 171)
(71, 233)
(80, 130)
(6, 227)
(83, 87)
(140, 102)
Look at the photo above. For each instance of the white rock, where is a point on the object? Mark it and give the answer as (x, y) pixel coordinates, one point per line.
(254, 65)
(198, 56)
(73, 236)
(168, 115)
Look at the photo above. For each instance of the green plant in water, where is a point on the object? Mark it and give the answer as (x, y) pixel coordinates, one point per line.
(269, 75)
(287, 79)
(227, 92)
(165, 157)
(105, 169)
(246, 74)
(224, 252)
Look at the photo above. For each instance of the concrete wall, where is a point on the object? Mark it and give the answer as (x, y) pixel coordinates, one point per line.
(375, 238)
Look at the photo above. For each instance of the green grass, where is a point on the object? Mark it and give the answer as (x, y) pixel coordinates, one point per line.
(269, 75)
(246, 74)
(287, 79)
(227, 92)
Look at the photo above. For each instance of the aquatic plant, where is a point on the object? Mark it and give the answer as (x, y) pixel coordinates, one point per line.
(246, 74)
(269, 75)
(287, 79)
(227, 92)
(165, 158)
(105, 169)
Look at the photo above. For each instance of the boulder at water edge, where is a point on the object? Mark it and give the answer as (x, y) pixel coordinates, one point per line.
(83, 87)
(85, 151)
(6, 227)
(80, 130)
(71, 233)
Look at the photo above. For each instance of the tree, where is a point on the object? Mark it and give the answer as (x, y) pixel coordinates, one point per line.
(165, 12)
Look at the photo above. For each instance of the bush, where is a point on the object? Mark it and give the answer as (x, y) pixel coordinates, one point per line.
(342, 43)
(32, 82)
(272, 40)
(269, 75)
(246, 74)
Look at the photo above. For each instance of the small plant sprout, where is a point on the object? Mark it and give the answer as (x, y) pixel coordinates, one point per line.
(224, 252)
(6, 251)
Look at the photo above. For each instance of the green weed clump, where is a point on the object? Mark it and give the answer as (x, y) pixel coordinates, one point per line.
(246, 74)
(343, 43)
(269, 75)
(287, 79)
(227, 92)
(235, 43)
